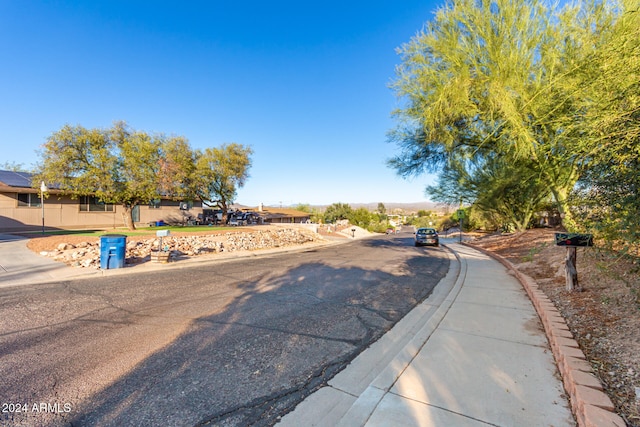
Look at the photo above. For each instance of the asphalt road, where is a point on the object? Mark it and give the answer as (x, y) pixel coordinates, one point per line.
(233, 343)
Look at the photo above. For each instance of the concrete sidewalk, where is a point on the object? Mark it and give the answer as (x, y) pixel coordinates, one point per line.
(473, 354)
(20, 266)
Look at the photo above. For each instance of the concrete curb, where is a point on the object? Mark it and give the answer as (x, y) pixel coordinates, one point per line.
(351, 397)
(590, 405)
(442, 298)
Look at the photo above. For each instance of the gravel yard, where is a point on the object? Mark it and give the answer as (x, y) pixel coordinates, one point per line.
(84, 252)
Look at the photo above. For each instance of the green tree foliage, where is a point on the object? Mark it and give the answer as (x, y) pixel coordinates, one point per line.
(303, 207)
(117, 165)
(484, 77)
(609, 79)
(177, 168)
(123, 166)
(315, 215)
(608, 205)
(381, 212)
(427, 221)
(13, 166)
(219, 172)
(360, 217)
(337, 212)
(508, 193)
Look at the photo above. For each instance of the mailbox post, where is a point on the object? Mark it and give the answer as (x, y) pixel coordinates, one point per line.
(161, 255)
(572, 241)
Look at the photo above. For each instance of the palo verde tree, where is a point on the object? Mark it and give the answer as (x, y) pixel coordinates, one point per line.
(483, 77)
(506, 193)
(609, 81)
(219, 172)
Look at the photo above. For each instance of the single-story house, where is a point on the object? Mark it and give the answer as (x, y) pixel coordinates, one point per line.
(21, 208)
(271, 215)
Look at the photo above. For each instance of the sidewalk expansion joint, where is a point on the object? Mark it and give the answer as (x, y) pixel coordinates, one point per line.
(441, 408)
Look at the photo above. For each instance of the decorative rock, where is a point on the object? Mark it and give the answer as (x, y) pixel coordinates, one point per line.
(88, 254)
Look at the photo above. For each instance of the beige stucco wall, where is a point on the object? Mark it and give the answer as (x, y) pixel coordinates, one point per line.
(64, 212)
(59, 212)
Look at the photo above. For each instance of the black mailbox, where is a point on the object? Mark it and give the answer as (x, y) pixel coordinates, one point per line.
(574, 239)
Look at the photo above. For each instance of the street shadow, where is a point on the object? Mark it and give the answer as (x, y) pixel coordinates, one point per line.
(281, 338)
(9, 226)
(400, 243)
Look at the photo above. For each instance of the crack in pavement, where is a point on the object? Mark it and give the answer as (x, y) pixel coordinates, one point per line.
(283, 331)
(258, 412)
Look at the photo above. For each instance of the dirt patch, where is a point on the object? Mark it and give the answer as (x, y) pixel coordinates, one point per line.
(604, 317)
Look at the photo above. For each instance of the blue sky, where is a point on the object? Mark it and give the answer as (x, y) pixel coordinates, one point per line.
(304, 83)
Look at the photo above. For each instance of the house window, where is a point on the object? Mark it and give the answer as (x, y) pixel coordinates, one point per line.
(28, 200)
(92, 204)
(154, 204)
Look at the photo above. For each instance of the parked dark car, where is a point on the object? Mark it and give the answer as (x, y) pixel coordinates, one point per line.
(427, 236)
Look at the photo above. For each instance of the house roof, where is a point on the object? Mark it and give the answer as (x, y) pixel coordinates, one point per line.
(15, 179)
(271, 212)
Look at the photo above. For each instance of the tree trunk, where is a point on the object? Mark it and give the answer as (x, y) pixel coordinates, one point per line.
(225, 210)
(560, 195)
(570, 270)
(127, 217)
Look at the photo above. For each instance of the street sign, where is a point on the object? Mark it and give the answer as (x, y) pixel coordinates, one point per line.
(574, 239)
(460, 213)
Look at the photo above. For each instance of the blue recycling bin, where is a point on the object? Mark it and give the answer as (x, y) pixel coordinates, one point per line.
(112, 251)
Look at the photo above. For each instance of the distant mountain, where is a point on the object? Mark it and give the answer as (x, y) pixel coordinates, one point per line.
(406, 207)
(391, 207)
